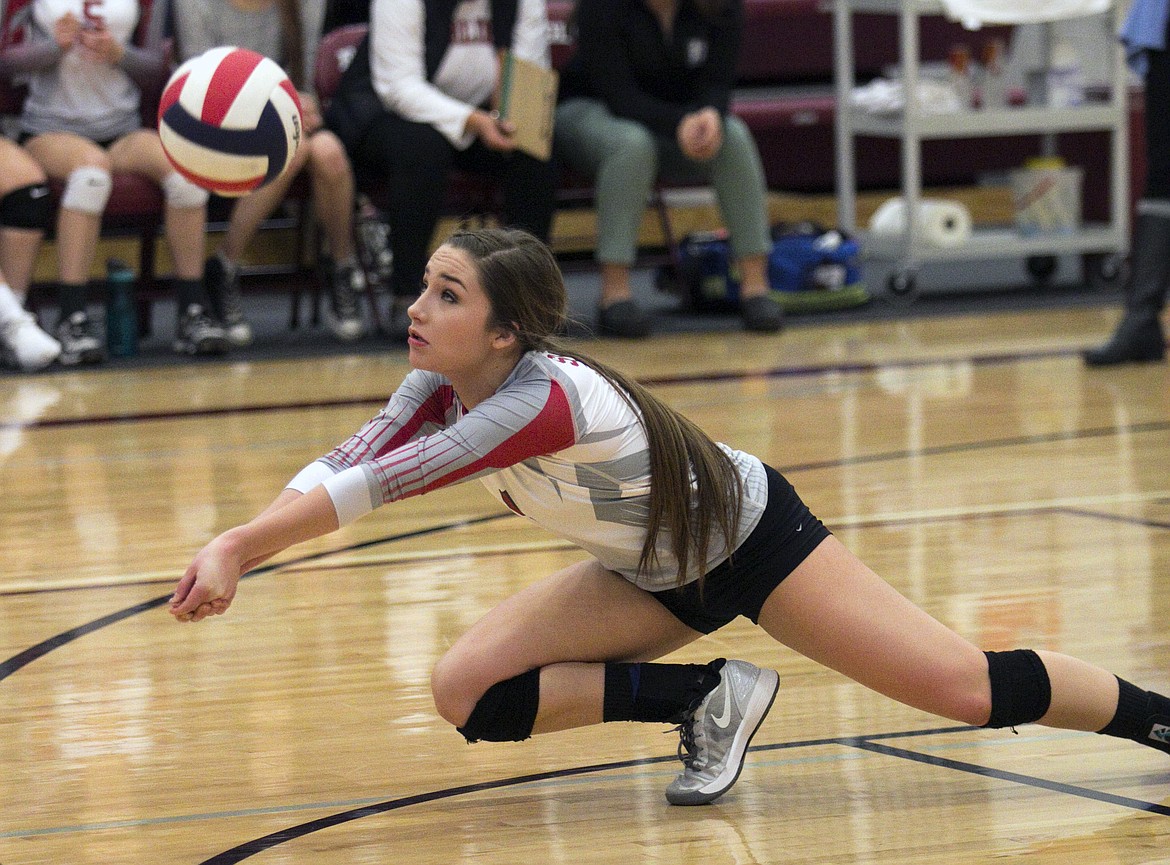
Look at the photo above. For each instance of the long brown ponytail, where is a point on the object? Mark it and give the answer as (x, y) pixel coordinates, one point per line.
(695, 488)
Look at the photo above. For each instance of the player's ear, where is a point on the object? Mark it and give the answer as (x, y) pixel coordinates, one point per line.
(507, 335)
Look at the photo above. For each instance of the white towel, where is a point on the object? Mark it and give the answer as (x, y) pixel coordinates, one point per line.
(973, 14)
(883, 96)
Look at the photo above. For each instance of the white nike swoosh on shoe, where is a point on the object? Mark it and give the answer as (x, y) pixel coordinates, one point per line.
(721, 721)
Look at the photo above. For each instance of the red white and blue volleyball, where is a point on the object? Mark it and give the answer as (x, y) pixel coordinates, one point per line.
(230, 120)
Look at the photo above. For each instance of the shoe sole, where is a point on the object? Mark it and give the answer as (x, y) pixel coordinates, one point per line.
(81, 358)
(757, 710)
(1092, 359)
(204, 348)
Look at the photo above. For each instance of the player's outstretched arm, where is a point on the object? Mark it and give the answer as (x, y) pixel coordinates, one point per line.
(209, 583)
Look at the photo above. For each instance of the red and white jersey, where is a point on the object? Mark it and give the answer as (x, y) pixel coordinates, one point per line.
(557, 443)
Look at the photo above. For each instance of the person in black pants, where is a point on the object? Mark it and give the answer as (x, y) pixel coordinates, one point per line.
(416, 102)
(1139, 336)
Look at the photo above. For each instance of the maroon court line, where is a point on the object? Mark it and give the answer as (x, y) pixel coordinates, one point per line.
(696, 378)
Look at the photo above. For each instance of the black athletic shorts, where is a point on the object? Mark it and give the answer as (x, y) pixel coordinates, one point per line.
(26, 136)
(786, 534)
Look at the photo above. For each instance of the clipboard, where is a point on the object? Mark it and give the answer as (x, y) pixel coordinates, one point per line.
(528, 98)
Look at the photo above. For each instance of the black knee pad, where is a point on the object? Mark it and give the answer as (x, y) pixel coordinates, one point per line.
(506, 712)
(1020, 689)
(28, 207)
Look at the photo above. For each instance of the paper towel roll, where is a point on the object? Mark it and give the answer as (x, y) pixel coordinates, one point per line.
(940, 222)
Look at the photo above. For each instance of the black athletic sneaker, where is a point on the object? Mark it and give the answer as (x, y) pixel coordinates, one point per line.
(81, 341)
(198, 334)
(344, 315)
(223, 290)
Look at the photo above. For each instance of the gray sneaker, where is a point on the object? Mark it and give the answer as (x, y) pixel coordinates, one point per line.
(715, 739)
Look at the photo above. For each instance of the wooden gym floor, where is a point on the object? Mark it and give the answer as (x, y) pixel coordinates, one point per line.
(973, 461)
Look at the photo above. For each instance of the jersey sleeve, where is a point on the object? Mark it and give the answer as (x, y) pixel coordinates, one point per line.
(530, 36)
(401, 454)
(420, 405)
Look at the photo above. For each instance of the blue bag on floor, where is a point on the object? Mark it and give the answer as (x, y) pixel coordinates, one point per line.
(807, 258)
(808, 269)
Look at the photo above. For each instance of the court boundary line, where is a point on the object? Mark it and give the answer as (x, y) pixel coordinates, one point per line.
(27, 656)
(651, 381)
(39, 650)
(1071, 506)
(865, 743)
(869, 743)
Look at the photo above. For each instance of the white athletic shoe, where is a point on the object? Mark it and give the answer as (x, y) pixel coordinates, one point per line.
(25, 345)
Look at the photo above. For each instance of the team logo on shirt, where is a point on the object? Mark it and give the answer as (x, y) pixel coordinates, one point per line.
(91, 13)
(471, 31)
(1160, 733)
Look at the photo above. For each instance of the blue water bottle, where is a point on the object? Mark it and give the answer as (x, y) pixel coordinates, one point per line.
(121, 313)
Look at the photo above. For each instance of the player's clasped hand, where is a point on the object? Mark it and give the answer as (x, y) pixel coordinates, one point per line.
(209, 584)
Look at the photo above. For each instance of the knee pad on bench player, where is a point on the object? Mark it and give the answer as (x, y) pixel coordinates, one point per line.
(87, 189)
(28, 207)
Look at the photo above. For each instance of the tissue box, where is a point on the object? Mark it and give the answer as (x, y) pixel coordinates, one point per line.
(1047, 199)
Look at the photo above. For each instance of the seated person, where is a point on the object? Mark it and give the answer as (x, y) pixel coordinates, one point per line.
(25, 210)
(646, 95)
(274, 28)
(82, 121)
(416, 101)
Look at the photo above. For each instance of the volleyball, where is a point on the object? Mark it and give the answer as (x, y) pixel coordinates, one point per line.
(230, 120)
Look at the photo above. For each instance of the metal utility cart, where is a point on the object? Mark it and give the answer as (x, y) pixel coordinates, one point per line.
(1103, 245)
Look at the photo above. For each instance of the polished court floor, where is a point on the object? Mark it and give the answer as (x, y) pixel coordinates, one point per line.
(971, 460)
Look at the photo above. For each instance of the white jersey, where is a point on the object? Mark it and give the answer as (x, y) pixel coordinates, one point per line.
(79, 94)
(556, 444)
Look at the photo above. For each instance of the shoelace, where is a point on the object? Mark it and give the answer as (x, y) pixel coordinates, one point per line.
(233, 308)
(688, 750)
(198, 324)
(78, 328)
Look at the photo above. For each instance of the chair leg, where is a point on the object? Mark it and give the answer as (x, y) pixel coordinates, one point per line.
(315, 299)
(295, 285)
(672, 248)
(147, 279)
(294, 311)
(372, 300)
